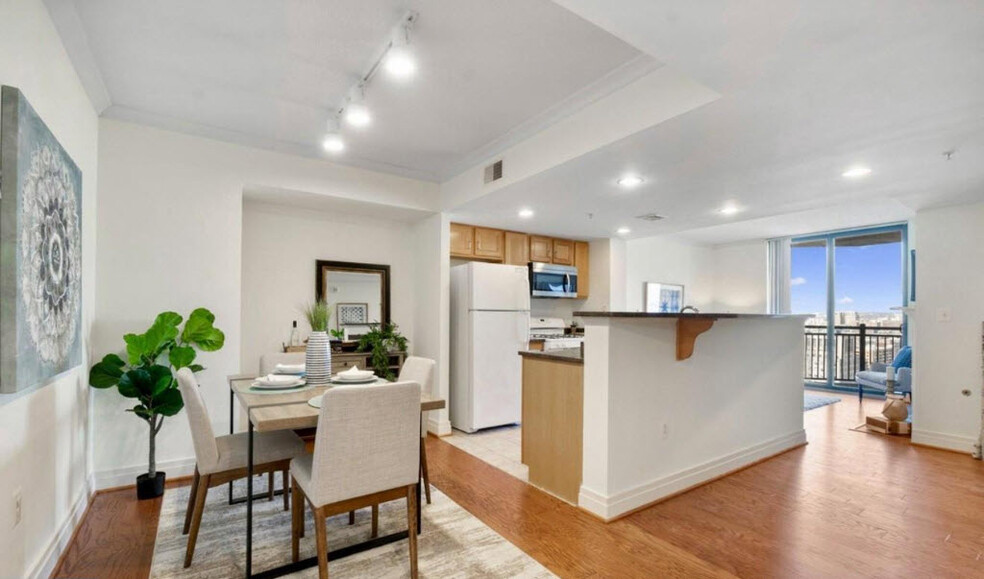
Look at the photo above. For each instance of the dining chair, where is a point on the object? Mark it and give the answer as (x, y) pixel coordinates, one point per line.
(421, 371)
(365, 453)
(219, 460)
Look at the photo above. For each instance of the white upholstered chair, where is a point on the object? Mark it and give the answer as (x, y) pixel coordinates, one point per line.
(421, 371)
(365, 453)
(219, 460)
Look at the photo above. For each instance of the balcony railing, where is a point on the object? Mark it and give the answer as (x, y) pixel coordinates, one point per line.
(855, 348)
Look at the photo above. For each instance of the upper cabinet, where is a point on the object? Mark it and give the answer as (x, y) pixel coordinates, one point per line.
(541, 249)
(462, 240)
(563, 252)
(582, 263)
(517, 248)
(514, 248)
(489, 243)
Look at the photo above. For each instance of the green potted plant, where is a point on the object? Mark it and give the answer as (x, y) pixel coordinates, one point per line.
(381, 340)
(337, 337)
(147, 375)
(317, 357)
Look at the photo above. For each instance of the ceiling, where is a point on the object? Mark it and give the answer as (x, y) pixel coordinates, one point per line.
(270, 74)
(808, 90)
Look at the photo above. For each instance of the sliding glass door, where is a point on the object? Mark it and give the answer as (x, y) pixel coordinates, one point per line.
(853, 284)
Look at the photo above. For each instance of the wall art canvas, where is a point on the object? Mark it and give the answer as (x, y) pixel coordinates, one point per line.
(663, 297)
(40, 250)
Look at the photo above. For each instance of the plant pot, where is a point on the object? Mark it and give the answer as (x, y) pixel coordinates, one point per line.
(150, 488)
(317, 359)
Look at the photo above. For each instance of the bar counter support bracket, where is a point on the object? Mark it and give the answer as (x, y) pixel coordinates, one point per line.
(687, 331)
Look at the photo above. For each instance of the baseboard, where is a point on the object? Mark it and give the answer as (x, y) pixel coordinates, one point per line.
(438, 426)
(48, 561)
(126, 476)
(942, 440)
(612, 507)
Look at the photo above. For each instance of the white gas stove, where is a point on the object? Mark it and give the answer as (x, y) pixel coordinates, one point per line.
(551, 331)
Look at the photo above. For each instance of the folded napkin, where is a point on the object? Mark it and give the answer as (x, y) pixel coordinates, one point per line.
(354, 373)
(276, 379)
(289, 368)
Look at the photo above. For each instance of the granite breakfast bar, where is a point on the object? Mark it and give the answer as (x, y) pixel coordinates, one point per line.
(671, 401)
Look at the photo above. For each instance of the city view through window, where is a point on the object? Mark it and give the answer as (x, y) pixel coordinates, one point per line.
(864, 308)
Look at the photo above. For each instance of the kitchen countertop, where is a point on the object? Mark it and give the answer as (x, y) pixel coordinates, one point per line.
(702, 315)
(562, 354)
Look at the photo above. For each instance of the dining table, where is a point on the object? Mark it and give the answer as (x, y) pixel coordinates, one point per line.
(289, 409)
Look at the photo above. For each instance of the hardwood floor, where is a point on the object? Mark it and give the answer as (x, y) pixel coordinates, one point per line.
(849, 504)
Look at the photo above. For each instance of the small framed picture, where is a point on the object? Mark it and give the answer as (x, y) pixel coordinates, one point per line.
(352, 314)
(662, 297)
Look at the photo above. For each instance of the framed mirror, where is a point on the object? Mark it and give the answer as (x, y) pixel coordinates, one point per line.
(358, 293)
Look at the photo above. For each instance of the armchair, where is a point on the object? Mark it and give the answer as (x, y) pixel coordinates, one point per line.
(875, 378)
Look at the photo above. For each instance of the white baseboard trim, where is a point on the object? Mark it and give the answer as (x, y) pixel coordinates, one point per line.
(46, 563)
(120, 477)
(943, 440)
(611, 507)
(438, 426)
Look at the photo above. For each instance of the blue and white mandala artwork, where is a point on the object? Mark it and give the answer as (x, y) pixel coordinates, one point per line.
(40, 250)
(50, 255)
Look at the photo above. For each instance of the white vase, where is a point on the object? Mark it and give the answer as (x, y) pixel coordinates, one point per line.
(317, 359)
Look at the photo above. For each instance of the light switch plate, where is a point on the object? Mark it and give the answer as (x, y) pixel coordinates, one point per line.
(942, 314)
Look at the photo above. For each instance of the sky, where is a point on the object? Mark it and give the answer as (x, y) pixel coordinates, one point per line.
(868, 278)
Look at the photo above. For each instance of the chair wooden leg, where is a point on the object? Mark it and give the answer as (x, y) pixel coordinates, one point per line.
(375, 522)
(270, 486)
(296, 520)
(412, 528)
(860, 395)
(351, 517)
(423, 470)
(321, 534)
(286, 494)
(196, 518)
(191, 502)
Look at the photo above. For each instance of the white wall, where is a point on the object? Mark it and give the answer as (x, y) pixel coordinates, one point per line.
(740, 273)
(432, 308)
(170, 237)
(664, 259)
(44, 450)
(279, 250)
(947, 354)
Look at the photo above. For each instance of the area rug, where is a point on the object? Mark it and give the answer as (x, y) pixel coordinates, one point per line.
(453, 543)
(811, 401)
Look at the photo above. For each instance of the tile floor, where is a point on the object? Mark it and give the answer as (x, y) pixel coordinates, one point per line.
(501, 447)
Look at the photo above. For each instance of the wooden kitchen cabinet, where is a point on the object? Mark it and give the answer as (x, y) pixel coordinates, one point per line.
(489, 243)
(563, 252)
(541, 249)
(582, 263)
(462, 240)
(517, 248)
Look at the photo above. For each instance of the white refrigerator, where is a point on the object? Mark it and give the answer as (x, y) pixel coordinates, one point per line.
(490, 323)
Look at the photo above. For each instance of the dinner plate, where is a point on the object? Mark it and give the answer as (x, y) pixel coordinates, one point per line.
(285, 386)
(336, 380)
(315, 402)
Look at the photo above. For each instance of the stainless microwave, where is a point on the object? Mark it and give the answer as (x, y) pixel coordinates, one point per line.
(552, 281)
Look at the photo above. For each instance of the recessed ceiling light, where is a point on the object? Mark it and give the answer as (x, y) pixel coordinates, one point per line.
(856, 172)
(526, 213)
(623, 231)
(333, 143)
(357, 115)
(399, 62)
(629, 181)
(729, 210)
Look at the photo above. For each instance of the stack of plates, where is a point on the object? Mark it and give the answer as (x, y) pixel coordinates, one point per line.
(354, 376)
(278, 382)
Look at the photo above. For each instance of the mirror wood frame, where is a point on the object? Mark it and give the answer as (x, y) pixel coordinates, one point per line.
(322, 266)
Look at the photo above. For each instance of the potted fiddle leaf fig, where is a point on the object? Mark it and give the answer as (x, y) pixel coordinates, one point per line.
(147, 375)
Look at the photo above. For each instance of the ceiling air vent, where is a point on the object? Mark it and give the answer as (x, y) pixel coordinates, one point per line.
(493, 172)
(650, 217)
